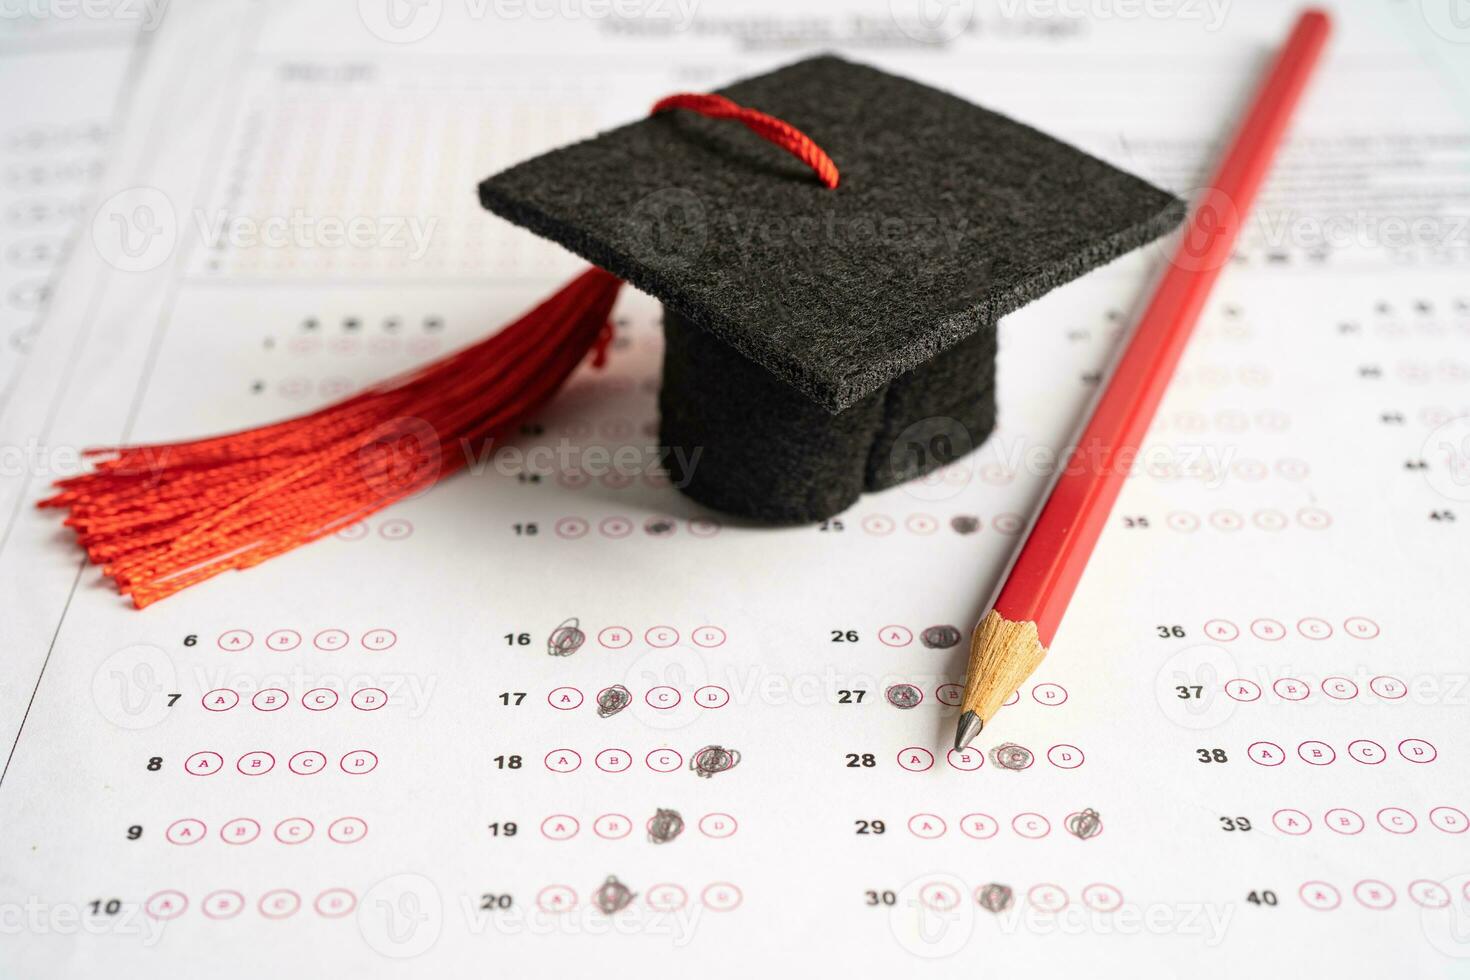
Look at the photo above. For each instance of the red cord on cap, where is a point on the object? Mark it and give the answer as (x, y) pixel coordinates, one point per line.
(769, 128)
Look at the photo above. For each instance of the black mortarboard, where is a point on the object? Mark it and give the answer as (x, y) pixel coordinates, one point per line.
(807, 327)
(822, 336)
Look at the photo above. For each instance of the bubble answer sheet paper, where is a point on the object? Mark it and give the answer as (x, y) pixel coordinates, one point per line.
(550, 717)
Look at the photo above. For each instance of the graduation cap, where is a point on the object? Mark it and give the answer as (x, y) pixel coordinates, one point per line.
(808, 328)
(832, 273)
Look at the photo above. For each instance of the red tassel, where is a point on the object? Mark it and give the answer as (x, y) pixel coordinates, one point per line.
(160, 518)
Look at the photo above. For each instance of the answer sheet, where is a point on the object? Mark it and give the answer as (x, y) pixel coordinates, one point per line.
(552, 718)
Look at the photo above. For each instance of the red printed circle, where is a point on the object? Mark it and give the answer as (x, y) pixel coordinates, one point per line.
(916, 758)
(347, 830)
(307, 763)
(358, 762)
(270, 699)
(220, 699)
(718, 825)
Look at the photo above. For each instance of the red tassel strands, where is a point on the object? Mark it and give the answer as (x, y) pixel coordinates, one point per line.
(162, 517)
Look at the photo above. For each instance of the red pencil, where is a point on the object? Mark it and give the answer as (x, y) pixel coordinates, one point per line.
(1010, 642)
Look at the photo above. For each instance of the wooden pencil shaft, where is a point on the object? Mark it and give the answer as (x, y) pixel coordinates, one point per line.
(1050, 563)
(1011, 640)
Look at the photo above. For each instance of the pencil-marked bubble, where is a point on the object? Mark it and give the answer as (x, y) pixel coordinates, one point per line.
(903, 696)
(612, 896)
(940, 637)
(1447, 453)
(132, 687)
(1011, 756)
(611, 700)
(964, 524)
(1189, 687)
(401, 916)
(665, 826)
(566, 639)
(1084, 824)
(660, 527)
(712, 760)
(995, 897)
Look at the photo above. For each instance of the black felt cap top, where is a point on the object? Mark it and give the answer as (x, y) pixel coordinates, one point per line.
(947, 217)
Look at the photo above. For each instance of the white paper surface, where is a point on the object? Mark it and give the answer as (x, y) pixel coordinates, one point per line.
(1281, 577)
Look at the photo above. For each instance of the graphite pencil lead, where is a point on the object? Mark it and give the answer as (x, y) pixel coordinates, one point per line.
(969, 726)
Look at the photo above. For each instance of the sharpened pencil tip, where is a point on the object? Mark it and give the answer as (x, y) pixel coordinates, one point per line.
(969, 726)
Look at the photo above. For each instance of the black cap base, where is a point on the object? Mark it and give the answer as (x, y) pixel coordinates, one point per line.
(749, 444)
